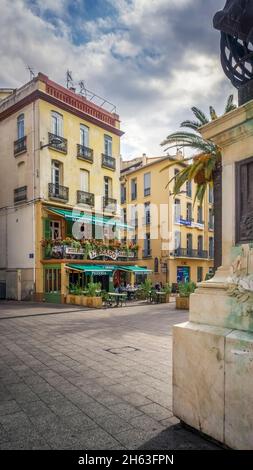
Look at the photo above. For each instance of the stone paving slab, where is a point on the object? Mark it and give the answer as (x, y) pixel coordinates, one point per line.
(89, 379)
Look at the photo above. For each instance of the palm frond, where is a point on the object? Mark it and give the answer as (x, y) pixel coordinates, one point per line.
(200, 115)
(230, 104)
(191, 125)
(200, 193)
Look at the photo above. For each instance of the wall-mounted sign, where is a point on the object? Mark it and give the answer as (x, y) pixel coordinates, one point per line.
(111, 254)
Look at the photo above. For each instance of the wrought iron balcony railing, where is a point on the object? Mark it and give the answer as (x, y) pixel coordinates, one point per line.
(190, 253)
(57, 142)
(108, 162)
(20, 146)
(147, 191)
(84, 197)
(56, 191)
(146, 253)
(85, 153)
(109, 204)
(20, 194)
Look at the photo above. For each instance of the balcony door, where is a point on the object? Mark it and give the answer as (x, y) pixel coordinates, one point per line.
(107, 187)
(85, 180)
(21, 126)
(84, 135)
(56, 177)
(57, 124)
(189, 244)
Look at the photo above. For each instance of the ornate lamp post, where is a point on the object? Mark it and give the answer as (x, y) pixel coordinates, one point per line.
(235, 22)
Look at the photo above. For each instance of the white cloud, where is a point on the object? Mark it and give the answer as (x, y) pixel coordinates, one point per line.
(132, 65)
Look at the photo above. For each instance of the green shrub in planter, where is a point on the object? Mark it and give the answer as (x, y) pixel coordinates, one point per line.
(186, 288)
(92, 289)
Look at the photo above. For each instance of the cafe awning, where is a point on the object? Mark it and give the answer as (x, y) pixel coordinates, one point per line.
(135, 269)
(89, 218)
(98, 269)
(91, 268)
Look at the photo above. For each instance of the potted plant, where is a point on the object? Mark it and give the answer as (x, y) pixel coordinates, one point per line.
(185, 290)
(92, 297)
(75, 295)
(146, 288)
(167, 289)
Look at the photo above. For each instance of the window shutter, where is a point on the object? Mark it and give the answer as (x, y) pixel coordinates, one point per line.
(69, 225)
(46, 229)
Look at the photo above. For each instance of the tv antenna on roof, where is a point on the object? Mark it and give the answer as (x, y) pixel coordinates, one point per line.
(32, 74)
(69, 79)
(82, 87)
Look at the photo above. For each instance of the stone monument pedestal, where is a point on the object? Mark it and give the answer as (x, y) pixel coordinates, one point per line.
(213, 352)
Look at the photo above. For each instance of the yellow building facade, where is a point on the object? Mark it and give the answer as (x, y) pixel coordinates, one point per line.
(174, 235)
(59, 192)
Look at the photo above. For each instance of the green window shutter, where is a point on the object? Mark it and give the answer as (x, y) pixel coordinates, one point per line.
(69, 225)
(47, 231)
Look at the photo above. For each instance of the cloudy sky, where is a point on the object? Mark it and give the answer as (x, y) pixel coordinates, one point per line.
(153, 59)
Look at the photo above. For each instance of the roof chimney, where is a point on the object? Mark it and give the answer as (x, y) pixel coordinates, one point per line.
(144, 159)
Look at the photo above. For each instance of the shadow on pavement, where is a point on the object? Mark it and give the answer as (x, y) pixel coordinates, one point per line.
(177, 437)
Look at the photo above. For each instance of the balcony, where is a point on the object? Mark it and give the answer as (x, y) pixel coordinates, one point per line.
(190, 253)
(73, 249)
(85, 153)
(109, 204)
(108, 162)
(55, 191)
(20, 194)
(20, 146)
(58, 143)
(147, 192)
(146, 253)
(83, 197)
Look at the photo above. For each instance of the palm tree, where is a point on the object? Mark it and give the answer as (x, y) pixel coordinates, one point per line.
(204, 167)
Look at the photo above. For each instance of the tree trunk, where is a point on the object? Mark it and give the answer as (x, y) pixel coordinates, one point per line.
(217, 193)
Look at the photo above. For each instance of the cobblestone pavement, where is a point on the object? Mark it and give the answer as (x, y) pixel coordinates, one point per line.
(86, 379)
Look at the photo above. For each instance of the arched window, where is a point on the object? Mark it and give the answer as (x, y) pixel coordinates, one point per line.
(156, 265)
(21, 126)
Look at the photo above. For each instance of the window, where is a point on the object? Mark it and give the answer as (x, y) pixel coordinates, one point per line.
(156, 265)
(21, 126)
(124, 215)
(85, 180)
(84, 135)
(147, 251)
(189, 212)
(108, 145)
(123, 193)
(210, 195)
(55, 229)
(199, 274)
(107, 187)
(177, 210)
(211, 247)
(52, 280)
(134, 216)
(189, 188)
(200, 245)
(56, 173)
(210, 219)
(177, 240)
(200, 215)
(57, 124)
(133, 189)
(147, 213)
(189, 243)
(147, 184)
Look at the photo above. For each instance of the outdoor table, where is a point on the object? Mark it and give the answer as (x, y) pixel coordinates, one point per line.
(117, 297)
(160, 296)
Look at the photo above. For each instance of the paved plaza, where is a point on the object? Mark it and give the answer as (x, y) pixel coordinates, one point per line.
(89, 379)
